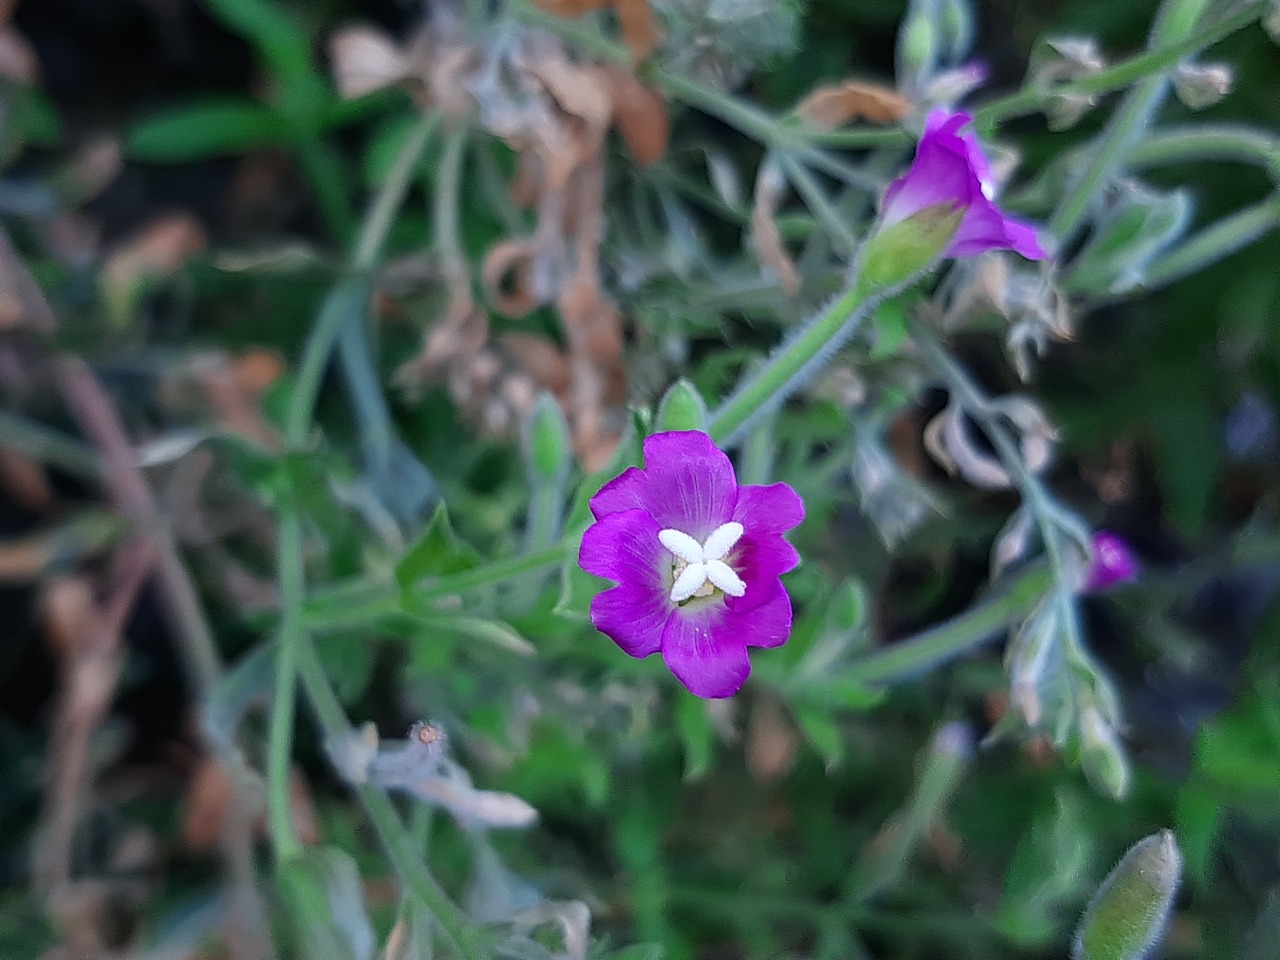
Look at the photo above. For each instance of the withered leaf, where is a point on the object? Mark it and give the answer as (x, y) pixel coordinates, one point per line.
(570, 9)
(365, 60)
(506, 275)
(639, 114)
(639, 32)
(832, 106)
(635, 18)
(771, 185)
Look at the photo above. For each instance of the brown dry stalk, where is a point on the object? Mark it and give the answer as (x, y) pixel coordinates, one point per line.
(128, 490)
(87, 631)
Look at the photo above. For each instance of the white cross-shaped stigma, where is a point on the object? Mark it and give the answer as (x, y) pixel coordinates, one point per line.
(701, 566)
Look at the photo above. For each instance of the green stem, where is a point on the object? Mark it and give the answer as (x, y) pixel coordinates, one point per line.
(386, 821)
(292, 641)
(1191, 144)
(1052, 521)
(945, 760)
(284, 836)
(772, 382)
(49, 446)
(1175, 22)
(1122, 74)
(348, 604)
(956, 636)
(1213, 243)
(818, 204)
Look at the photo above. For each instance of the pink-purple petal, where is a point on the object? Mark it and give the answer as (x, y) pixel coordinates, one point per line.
(633, 617)
(950, 168)
(768, 624)
(622, 547)
(774, 508)
(690, 484)
(709, 660)
(760, 560)
(623, 492)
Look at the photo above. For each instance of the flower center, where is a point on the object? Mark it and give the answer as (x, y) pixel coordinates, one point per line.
(700, 568)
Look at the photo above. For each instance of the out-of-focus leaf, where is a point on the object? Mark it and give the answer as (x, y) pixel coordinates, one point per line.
(820, 729)
(697, 735)
(325, 895)
(1045, 874)
(1138, 226)
(210, 128)
(437, 552)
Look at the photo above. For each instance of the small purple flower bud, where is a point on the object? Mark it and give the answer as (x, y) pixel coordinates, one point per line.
(1113, 562)
(950, 175)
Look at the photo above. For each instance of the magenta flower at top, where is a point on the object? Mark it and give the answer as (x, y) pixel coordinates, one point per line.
(950, 168)
(696, 559)
(1113, 562)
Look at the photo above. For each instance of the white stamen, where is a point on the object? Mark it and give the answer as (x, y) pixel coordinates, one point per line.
(701, 568)
(689, 582)
(682, 545)
(721, 541)
(722, 575)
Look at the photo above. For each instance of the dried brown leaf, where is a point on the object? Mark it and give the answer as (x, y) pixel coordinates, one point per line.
(771, 741)
(365, 59)
(18, 62)
(639, 32)
(570, 9)
(68, 611)
(639, 114)
(507, 275)
(25, 479)
(157, 251)
(540, 358)
(771, 186)
(210, 794)
(832, 106)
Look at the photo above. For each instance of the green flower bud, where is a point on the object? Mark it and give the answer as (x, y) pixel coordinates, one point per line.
(918, 44)
(682, 409)
(897, 253)
(1129, 913)
(546, 440)
(1102, 755)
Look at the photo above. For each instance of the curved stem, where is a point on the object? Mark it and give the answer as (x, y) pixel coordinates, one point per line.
(1189, 144)
(386, 822)
(1122, 74)
(1215, 242)
(955, 636)
(291, 640)
(1175, 22)
(789, 365)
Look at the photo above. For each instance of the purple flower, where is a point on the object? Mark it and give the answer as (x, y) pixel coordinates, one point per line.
(950, 168)
(696, 559)
(1112, 562)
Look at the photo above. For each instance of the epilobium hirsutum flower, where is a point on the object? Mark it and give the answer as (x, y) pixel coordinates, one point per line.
(696, 559)
(1112, 562)
(950, 171)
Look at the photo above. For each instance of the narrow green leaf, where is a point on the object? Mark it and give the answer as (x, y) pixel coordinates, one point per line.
(822, 733)
(436, 553)
(203, 129)
(696, 735)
